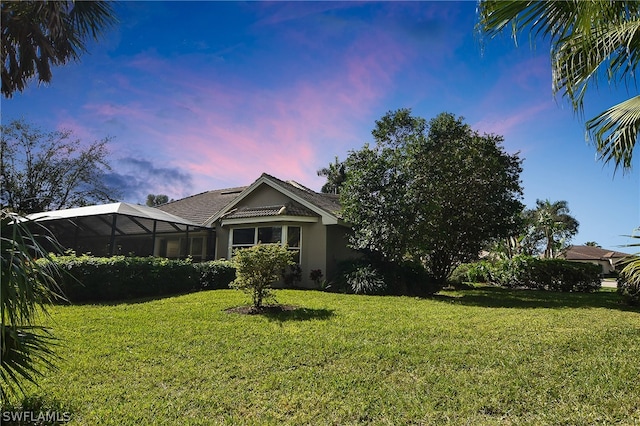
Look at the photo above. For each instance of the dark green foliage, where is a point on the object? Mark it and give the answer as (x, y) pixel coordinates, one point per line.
(292, 275)
(543, 274)
(316, 276)
(367, 276)
(102, 279)
(629, 290)
(433, 191)
(477, 272)
(215, 274)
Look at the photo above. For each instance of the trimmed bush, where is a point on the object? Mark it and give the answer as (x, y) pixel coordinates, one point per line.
(104, 279)
(215, 274)
(546, 274)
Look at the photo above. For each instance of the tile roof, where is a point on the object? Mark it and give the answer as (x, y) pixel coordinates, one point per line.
(327, 202)
(200, 207)
(277, 210)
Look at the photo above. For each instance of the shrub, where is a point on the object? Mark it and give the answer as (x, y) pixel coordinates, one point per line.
(546, 274)
(99, 279)
(365, 279)
(292, 275)
(629, 290)
(403, 278)
(476, 272)
(258, 268)
(215, 274)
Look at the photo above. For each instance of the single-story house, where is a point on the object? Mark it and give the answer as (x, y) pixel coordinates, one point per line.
(608, 259)
(211, 225)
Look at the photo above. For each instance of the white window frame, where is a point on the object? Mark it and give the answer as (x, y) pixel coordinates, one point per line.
(284, 237)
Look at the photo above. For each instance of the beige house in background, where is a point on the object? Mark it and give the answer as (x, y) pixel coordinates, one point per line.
(268, 211)
(609, 260)
(213, 224)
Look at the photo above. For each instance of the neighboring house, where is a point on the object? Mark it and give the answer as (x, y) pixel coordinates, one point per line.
(211, 225)
(608, 259)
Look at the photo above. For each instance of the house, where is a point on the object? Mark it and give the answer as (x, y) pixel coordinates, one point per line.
(608, 259)
(213, 224)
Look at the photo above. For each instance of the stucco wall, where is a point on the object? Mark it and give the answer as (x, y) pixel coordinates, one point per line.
(337, 249)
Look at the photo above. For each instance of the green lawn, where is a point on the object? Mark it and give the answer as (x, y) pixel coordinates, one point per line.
(484, 356)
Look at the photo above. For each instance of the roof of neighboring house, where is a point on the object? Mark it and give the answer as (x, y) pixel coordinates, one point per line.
(200, 207)
(592, 253)
(211, 205)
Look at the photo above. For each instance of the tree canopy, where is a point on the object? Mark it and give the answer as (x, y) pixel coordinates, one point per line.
(49, 171)
(589, 40)
(435, 191)
(38, 34)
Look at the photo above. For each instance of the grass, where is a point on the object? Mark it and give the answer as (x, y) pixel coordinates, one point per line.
(483, 356)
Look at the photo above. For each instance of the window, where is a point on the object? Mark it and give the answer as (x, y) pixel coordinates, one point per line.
(247, 237)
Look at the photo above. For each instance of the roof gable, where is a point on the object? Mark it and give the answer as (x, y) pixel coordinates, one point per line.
(325, 206)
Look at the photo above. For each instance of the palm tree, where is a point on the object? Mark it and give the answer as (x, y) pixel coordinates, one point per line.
(592, 244)
(335, 174)
(38, 34)
(589, 39)
(552, 225)
(27, 286)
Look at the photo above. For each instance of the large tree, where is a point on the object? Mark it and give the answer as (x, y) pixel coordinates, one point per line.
(39, 34)
(589, 40)
(42, 171)
(435, 191)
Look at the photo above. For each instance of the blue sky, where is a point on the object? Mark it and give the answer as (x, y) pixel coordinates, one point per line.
(208, 95)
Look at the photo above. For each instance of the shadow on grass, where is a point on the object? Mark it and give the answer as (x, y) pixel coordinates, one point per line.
(497, 297)
(135, 300)
(283, 313)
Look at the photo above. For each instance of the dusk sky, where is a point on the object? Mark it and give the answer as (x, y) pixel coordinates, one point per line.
(209, 95)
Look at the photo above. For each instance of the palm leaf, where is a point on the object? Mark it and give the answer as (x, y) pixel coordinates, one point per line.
(27, 286)
(614, 132)
(24, 351)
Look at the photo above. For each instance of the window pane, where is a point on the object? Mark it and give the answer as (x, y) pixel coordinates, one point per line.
(293, 236)
(272, 234)
(243, 236)
(196, 246)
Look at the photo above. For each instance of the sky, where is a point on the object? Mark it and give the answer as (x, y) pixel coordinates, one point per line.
(196, 96)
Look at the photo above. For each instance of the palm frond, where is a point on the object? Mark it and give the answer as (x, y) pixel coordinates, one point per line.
(24, 351)
(614, 132)
(577, 59)
(27, 286)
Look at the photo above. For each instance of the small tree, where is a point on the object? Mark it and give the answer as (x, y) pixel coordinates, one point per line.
(257, 268)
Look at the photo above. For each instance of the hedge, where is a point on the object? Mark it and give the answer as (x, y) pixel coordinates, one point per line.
(102, 279)
(540, 274)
